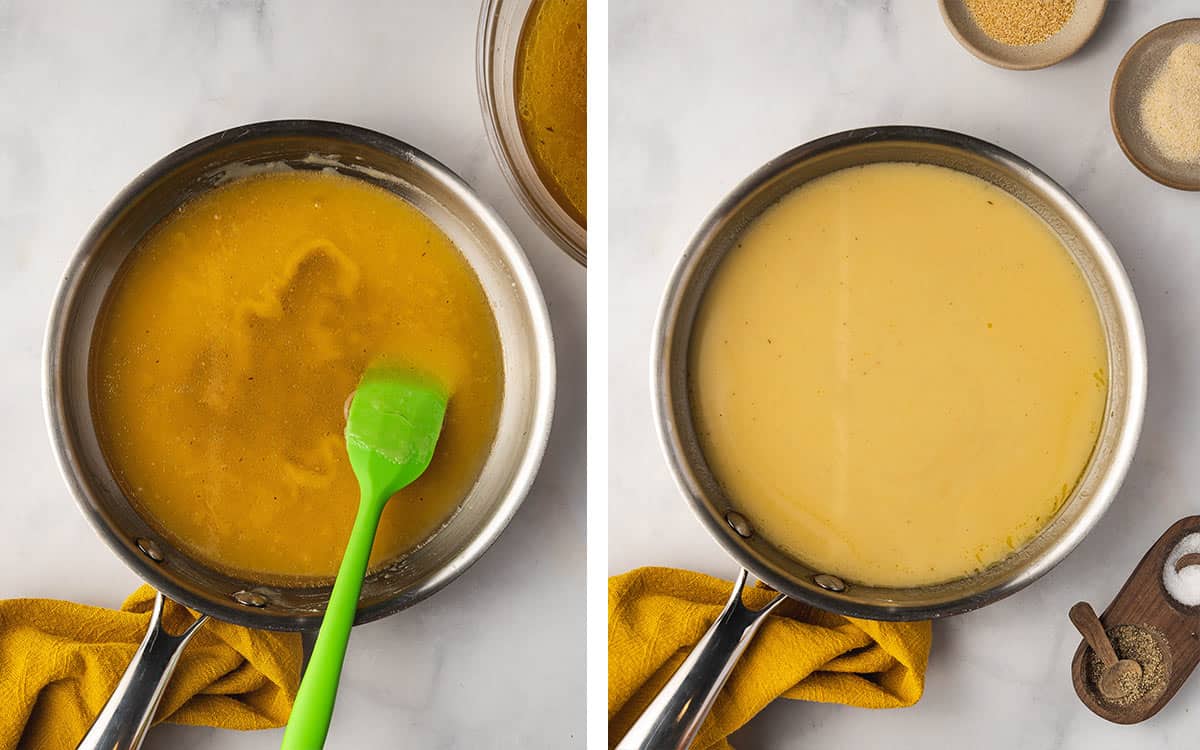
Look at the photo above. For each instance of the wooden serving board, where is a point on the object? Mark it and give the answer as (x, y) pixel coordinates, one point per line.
(1143, 600)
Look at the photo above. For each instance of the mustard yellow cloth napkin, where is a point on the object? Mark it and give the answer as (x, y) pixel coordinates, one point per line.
(655, 616)
(60, 661)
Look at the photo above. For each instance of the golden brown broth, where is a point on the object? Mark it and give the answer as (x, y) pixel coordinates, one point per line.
(231, 340)
(899, 374)
(551, 90)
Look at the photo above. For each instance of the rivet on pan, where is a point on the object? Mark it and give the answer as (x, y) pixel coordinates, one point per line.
(150, 549)
(738, 523)
(250, 598)
(829, 583)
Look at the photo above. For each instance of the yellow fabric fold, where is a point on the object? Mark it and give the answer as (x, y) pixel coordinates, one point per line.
(655, 616)
(60, 661)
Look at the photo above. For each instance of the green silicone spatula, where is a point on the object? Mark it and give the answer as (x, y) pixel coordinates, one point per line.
(392, 427)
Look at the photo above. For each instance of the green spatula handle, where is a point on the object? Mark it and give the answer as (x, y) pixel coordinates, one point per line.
(309, 722)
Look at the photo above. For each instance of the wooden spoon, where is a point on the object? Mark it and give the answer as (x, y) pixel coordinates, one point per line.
(1117, 672)
(1191, 558)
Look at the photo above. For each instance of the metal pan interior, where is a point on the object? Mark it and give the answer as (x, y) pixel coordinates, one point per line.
(1088, 247)
(491, 250)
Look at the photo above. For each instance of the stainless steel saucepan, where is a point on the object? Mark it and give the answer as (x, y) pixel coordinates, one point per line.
(674, 717)
(528, 396)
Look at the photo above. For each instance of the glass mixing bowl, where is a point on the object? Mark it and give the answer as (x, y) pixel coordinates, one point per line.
(497, 44)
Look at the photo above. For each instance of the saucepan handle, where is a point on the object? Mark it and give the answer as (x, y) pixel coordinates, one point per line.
(673, 718)
(123, 721)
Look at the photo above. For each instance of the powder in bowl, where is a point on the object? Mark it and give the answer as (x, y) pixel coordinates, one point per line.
(1170, 109)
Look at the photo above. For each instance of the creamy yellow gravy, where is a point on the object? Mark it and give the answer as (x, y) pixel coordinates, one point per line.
(898, 375)
(229, 345)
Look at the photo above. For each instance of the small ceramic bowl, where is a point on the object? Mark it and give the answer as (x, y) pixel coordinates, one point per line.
(500, 25)
(1069, 39)
(1134, 75)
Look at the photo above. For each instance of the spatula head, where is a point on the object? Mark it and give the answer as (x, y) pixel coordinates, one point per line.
(392, 427)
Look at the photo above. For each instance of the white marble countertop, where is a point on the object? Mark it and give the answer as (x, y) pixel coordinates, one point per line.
(700, 99)
(91, 94)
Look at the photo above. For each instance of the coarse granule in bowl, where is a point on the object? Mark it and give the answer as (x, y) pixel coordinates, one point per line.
(1020, 23)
